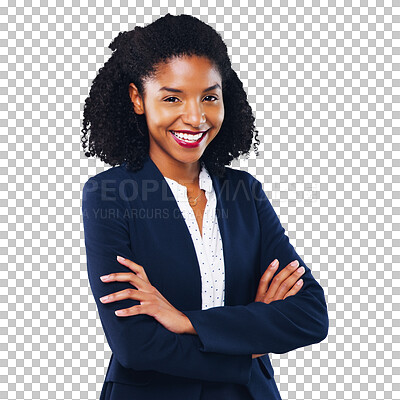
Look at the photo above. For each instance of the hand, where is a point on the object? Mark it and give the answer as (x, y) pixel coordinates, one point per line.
(258, 355)
(151, 300)
(283, 285)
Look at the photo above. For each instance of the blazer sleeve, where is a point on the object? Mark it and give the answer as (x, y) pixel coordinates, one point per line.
(277, 327)
(140, 342)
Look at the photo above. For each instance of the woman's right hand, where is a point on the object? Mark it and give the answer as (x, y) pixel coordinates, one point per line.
(283, 285)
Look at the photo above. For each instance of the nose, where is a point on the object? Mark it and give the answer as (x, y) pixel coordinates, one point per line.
(193, 114)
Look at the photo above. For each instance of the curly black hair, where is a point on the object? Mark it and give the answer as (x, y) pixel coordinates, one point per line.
(111, 129)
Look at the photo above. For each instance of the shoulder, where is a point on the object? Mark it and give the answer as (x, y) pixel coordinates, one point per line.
(106, 186)
(240, 186)
(240, 176)
(114, 177)
(114, 173)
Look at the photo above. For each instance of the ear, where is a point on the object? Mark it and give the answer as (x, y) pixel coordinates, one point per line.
(136, 99)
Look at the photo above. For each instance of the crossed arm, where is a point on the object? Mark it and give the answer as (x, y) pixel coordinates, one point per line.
(217, 344)
(154, 304)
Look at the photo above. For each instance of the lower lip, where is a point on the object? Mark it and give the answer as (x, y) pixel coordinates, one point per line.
(189, 145)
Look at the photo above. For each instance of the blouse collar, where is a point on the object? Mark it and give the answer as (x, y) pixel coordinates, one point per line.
(205, 181)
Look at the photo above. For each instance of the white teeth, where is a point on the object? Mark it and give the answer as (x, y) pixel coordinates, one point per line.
(188, 137)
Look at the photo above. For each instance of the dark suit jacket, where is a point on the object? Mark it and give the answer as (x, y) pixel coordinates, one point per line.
(135, 215)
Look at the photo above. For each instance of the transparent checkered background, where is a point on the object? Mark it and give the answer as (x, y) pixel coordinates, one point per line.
(323, 79)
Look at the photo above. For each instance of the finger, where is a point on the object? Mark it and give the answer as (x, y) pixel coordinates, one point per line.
(132, 294)
(281, 277)
(136, 310)
(296, 287)
(126, 277)
(127, 312)
(136, 268)
(288, 283)
(265, 279)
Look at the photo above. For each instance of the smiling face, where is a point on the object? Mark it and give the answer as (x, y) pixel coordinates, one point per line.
(184, 95)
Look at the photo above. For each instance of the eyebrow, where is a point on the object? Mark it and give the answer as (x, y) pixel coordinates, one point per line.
(216, 86)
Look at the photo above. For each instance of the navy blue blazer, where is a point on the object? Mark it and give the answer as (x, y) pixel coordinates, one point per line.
(135, 215)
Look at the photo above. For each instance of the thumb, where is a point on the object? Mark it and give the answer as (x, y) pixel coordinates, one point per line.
(266, 279)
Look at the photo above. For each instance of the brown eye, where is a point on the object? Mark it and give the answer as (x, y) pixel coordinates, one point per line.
(168, 99)
(213, 97)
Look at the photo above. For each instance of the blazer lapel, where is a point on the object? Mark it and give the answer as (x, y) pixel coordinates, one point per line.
(156, 193)
(171, 228)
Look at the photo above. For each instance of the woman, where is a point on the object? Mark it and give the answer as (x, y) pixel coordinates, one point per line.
(193, 276)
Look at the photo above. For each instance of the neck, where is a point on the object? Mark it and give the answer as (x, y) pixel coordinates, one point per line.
(183, 173)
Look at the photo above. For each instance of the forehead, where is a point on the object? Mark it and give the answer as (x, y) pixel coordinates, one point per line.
(185, 71)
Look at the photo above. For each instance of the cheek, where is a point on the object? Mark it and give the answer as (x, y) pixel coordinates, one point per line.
(219, 116)
(158, 119)
(222, 114)
(215, 114)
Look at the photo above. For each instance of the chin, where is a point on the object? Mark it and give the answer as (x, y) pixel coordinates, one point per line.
(189, 159)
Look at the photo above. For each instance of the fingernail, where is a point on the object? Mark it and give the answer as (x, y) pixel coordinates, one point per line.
(274, 263)
(294, 263)
(119, 258)
(104, 277)
(299, 282)
(301, 270)
(104, 298)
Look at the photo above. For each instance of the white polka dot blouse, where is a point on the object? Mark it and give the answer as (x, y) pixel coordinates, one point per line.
(208, 248)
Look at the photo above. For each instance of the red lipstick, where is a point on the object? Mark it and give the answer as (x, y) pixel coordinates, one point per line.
(190, 132)
(189, 144)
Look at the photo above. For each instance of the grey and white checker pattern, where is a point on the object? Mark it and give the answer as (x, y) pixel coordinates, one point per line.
(323, 79)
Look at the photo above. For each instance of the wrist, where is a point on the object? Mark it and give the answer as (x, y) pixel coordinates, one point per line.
(188, 326)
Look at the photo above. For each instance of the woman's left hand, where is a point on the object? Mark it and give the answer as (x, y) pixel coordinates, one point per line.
(152, 302)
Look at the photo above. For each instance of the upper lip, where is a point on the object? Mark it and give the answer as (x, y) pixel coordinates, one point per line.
(189, 132)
